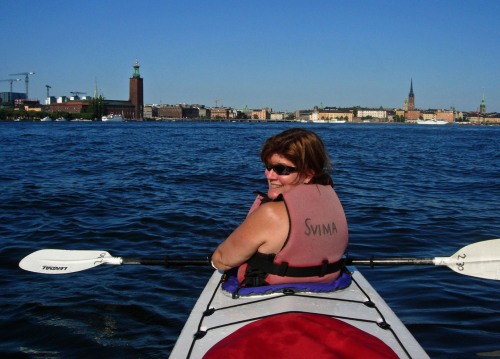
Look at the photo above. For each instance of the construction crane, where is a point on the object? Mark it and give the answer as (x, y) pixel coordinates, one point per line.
(48, 87)
(26, 79)
(11, 81)
(76, 93)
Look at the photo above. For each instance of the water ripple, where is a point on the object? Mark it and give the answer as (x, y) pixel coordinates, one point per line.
(178, 189)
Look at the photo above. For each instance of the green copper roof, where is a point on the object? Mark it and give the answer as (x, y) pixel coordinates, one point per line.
(136, 69)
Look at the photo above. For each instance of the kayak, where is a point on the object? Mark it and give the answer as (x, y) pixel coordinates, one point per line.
(343, 319)
(219, 321)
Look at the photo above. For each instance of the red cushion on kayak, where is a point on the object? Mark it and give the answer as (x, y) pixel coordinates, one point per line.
(300, 335)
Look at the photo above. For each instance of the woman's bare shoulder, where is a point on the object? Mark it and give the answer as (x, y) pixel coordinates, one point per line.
(271, 211)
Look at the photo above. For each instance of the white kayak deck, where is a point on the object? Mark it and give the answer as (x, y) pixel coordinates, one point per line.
(346, 305)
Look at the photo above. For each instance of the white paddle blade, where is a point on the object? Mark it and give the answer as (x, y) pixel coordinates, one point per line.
(481, 259)
(60, 261)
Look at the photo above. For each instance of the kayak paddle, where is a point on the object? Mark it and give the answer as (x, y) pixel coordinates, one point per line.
(62, 261)
(481, 259)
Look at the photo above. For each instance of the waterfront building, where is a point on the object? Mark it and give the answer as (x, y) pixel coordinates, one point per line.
(246, 112)
(363, 113)
(219, 113)
(278, 116)
(50, 100)
(131, 109)
(202, 112)
(27, 103)
(391, 114)
(70, 106)
(234, 113)
(303, 115)
(262, 114)
(150, 112)
(11, 96)
(446, 115)
(178, 111)
(428, 115)
(328, 114)
(119, 107)
(488, 118)
(170, 111)
(413, 115)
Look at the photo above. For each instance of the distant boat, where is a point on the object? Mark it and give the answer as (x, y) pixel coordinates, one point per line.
(112, 118)
(432, 122)
(331, 120)
(46, 119)
(61, 119)
(82, 120)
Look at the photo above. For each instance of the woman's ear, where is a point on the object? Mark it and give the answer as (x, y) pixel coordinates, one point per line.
(308, 177)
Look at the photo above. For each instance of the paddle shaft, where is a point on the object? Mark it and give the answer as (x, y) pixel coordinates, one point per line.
(167, 262)
(349, 261)
(389, 261)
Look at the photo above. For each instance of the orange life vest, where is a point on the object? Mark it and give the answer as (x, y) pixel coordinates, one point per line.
(316, 241)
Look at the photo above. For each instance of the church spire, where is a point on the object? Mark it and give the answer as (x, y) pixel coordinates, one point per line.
(95, 88)
(411, 98)
(482, 107)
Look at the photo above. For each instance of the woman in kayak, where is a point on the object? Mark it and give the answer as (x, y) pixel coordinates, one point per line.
(298, 231)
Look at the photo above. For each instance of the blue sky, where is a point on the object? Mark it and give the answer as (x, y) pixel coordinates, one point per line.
(286, 55)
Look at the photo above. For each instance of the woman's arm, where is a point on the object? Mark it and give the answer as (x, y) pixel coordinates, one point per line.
(265, 229)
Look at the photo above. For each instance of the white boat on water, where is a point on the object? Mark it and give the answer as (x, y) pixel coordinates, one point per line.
(432, 122)
(332, 120)
(112, 118)
(61, 119)
(46, 119)
(82, 120)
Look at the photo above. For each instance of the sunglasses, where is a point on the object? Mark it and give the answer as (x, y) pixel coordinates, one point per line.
(281, 170)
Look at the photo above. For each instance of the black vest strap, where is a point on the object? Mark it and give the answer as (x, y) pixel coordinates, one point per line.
(264, 262)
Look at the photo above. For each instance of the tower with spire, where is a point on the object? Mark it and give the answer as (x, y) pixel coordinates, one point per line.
(411, 98)
(482, 107)
(136, 92)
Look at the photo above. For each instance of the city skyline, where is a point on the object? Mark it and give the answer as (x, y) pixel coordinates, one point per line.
(282, 55)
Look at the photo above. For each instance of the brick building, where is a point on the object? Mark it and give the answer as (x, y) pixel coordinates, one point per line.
(178, 111)
(70, 107)
(446, 115)
(219, 113)
(131, 109)
(136, 97)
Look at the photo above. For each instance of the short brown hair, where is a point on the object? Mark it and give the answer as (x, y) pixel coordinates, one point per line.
(305, 149)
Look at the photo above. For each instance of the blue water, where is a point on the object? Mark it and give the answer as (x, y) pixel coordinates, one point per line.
(177, 188)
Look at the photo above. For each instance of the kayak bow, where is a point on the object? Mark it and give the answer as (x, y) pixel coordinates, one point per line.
(217, 316)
